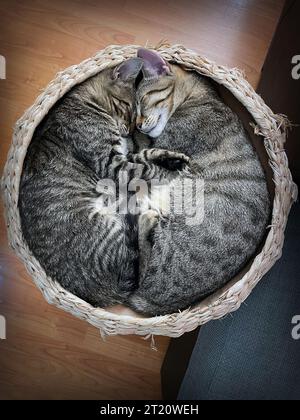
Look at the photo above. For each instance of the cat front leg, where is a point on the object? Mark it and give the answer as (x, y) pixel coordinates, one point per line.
(159, 162)
(159, 156)
(149, 163)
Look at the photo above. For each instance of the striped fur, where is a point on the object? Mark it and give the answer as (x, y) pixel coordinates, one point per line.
(94, 256)
(184, 264)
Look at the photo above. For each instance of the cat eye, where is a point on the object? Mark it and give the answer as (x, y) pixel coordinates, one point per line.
(153, 92)
(164, 98)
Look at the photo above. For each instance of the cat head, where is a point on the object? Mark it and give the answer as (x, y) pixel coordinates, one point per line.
(155, 93)
(121, 89)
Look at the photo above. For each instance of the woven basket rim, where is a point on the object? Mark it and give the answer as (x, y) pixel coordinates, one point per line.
(268, 125)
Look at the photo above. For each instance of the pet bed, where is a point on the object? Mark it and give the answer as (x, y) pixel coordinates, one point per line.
(268, 132)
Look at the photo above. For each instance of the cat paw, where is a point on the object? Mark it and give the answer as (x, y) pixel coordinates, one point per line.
(148, 220)
(172, 164)
(172, 161)
(177, 157)
(118, 160)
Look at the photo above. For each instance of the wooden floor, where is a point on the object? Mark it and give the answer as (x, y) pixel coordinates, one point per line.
(49, 354)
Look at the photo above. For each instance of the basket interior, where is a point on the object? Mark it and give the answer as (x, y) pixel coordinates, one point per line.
(258, 144)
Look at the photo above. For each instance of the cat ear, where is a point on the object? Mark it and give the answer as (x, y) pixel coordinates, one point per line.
(154, 64)
(128, 70)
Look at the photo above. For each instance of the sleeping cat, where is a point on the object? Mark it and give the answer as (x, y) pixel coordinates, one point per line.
(96, 258)
(182, 112)
(84, 139)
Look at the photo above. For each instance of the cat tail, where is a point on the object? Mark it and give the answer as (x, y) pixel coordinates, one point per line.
(139, 303)
(128, 281)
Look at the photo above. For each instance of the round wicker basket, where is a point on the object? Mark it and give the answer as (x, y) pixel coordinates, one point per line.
(270, 127)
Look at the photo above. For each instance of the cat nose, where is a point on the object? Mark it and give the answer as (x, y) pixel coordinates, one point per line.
(139, 122)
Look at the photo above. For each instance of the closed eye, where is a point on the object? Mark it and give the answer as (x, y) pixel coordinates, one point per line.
(154, 103)
(153, 92)
(164, 99)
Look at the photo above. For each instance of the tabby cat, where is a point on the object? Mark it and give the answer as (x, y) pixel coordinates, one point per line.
(83, 140)
(181, 111)
(92, 255)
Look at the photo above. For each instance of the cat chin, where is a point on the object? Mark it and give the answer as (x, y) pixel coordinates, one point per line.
(156, 132)
(159, 128)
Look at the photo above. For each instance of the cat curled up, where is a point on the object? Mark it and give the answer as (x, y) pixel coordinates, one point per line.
(184, 263)
(153, 264)
(93, 257)
(84, 139)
